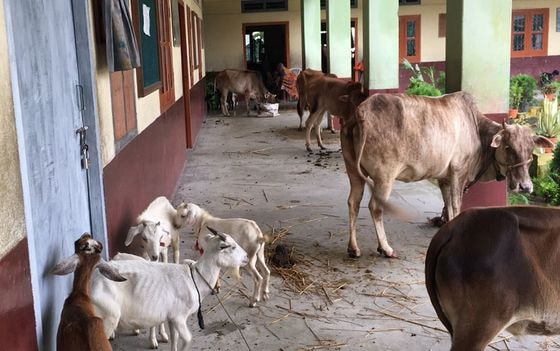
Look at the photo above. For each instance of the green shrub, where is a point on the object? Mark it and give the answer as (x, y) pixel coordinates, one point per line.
(515, 95)
(517, 199)
(528, 85)
(423, 88)
(548, 189)
(554, 165)
(212, 97)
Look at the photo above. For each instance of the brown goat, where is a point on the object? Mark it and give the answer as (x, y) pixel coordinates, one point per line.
(79, 328)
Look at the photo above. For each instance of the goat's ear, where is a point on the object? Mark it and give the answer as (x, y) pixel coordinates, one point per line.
(66, 266)
(132, 232)
(110, 272)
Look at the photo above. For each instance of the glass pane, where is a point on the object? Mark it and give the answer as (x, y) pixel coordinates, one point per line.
(518, 23)
(538, 23)
(536, 41)
(518, 42)
(411, 47)
(410, 29)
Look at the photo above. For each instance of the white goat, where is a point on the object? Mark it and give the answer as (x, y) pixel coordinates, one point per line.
(247, 234)
(159, 226)
(157, 292)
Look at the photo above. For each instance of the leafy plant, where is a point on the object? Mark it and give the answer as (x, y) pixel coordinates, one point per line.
(515, 95)
(549, 119)
(431, 86)
(423, 88)
(528, 85)
(212, 96)
(517, 199)
(547, 188)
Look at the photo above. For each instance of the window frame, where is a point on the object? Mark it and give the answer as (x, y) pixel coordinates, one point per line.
(529, 51)
(165, 41)
(264, 6)
(142, 90)
(403, 38)
(442, 25)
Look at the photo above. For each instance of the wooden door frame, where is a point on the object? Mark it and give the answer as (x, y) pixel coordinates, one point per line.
(286, 25)
(185, 66)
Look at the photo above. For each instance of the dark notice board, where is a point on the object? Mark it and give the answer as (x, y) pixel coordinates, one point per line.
(149, 75)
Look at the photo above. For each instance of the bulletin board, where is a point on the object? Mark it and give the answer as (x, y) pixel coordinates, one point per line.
(145, 16)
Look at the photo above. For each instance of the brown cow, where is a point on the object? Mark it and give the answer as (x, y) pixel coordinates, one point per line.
(322, 94)
(244, 82)
(303, 79)
(410, 138)
(495, 268)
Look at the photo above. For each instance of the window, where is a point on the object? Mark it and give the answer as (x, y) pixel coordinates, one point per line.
(195, 40)
(409, 38)
(353, 3)
(558, 19)
(409, 2)
(442, 25)
(263, 5)
(529, 33)
(124, 107)
(167, 90)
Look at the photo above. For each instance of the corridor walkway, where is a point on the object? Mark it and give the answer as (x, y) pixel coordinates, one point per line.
(258, 168)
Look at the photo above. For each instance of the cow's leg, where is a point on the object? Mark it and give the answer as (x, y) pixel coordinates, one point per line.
(247, 100)
(330, 123)
(382, 191)
(318, 129)
(223, 101)
(354, 199)
(309, 124)
(300, 111)
(233, 103)
(445, 188)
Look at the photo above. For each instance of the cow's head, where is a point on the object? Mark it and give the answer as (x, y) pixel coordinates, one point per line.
(268, 97)
(353, 98)
(514, 146)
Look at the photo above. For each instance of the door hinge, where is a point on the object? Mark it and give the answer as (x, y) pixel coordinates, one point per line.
(84, 147)
(80, 97)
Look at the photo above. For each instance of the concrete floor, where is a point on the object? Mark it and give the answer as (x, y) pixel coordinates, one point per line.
(258, 168)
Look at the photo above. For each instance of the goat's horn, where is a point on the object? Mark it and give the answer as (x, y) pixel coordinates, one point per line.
(215, 232)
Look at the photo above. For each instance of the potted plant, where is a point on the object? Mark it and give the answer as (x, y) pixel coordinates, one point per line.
(515, 95)
(549, 91)
(549, 121)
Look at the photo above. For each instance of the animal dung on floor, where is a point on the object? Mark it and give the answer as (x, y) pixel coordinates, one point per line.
(282, 257)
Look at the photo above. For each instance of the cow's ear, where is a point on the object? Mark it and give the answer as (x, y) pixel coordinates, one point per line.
(344, 98)
(496, 140)
(541, 141)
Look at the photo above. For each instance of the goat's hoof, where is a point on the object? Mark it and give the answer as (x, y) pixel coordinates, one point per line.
(253, 303)
(112, 336)
(265, 296)
(164, 337)
(154, 346)
(354, 253)
(382, 252)
(136, 332)
(308, 148)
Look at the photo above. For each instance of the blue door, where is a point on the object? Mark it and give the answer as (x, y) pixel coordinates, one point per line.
(48, 104)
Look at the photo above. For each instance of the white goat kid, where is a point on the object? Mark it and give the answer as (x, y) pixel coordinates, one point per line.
(247, 234)
(159, 227)
(157, 292)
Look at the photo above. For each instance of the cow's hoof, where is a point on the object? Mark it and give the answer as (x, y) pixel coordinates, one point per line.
(333, 131)
(322, 147)
(354, 253)
(382, 252)
(308, 148)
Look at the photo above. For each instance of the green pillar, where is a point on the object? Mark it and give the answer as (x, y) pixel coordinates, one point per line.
(478, 62)
(381, 45)
(311, 33)
(338, 29)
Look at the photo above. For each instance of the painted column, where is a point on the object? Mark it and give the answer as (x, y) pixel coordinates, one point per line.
(478, 61)
(311, 33)
(339, 42)
(381, 45)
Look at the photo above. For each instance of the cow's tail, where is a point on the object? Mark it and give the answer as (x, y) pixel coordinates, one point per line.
(387, 206)
(440, 240)
(302, 101)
